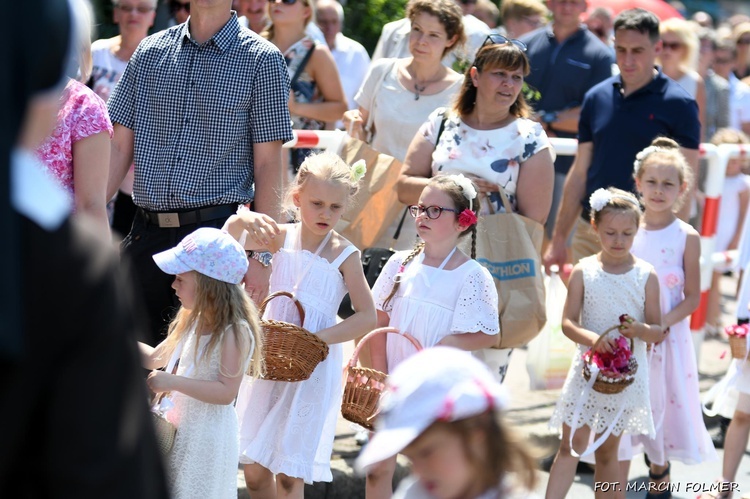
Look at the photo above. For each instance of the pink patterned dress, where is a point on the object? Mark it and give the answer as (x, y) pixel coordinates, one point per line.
(675, 398)
(82, 114)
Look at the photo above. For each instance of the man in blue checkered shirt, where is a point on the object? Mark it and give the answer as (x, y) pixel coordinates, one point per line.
(202, 111)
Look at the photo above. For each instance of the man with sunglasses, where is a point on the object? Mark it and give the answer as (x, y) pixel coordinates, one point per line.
(179, 10)
(202, 109)
(619, 118)
(566, 61)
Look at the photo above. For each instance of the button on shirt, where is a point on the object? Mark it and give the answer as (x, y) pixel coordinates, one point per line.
(196, 110)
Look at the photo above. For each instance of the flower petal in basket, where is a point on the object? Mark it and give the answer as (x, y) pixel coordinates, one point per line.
(363, 385)
(290, 352)
(610, 382)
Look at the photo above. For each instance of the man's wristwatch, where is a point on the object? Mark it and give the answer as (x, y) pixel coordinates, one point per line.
(264, 257)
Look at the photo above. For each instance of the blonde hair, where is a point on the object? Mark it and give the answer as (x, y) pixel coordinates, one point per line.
(619, 200)
(668, 151)
(84, 21)
(223, 309)
(269, 32)
(729, 136)
(517, 9)
(460, 203)
(323, 166)
(686, 33)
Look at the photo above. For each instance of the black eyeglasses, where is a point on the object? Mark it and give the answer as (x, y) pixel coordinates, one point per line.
(175, 7)
(468, 2)
(141, 9)
(285, 2)
(433, 212)
(496, 39)
(743, 41)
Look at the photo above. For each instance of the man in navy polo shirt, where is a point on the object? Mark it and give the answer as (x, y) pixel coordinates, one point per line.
(620, 117)
(566, 61)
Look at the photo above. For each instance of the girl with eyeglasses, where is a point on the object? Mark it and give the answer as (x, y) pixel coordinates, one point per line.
(435, 292)
(317, 96)
(488, 136)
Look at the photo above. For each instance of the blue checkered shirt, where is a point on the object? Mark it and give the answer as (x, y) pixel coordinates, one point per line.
(196, 111)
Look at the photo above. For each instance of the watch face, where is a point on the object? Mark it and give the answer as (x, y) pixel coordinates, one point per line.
(264, 258)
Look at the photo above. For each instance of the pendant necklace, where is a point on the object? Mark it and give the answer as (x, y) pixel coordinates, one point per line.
(418, 90)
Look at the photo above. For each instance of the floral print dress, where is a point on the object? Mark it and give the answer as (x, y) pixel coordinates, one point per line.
(494, 155)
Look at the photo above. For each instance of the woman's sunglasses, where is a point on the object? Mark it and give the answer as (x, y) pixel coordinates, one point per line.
(175, 7)
(496, 39)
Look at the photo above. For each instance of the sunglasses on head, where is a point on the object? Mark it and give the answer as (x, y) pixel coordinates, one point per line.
(175, 7)
(496, 39)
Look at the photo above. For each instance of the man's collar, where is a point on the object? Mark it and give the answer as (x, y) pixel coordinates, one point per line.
(577, 34)
(656, 85)
(222, 39)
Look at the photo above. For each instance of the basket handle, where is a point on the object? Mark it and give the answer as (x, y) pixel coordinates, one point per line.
(375, 332)
(262, 308)
(601, 337)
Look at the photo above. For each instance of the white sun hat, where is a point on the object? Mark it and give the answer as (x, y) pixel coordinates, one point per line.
(436, 384)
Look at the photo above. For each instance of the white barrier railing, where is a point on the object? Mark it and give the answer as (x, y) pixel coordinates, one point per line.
(716, 156)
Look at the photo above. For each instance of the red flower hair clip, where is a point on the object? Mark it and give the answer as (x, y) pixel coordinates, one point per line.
(467, 218)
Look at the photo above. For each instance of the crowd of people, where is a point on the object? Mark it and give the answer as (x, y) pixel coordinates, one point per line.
(173, 142)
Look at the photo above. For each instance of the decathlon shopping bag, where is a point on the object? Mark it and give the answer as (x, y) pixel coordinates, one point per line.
(550, 354)
(509, 246)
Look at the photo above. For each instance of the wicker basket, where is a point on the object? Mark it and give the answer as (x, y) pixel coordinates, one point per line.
(290, 352)
(738, 346)
(606, 384)
(364, 385)
(165, 431)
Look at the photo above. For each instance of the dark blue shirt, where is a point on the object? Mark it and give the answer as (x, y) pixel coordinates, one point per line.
(564, 72)
(620, 127)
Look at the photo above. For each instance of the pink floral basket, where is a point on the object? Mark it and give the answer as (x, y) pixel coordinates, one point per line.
(616, 370)
(737, 335)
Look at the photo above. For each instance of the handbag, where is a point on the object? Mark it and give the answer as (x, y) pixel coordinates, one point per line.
(509, 246)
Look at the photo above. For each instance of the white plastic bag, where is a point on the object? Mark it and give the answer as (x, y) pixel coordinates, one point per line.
(550, 354)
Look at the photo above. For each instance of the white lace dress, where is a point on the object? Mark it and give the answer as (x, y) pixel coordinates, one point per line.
(606, 296)
(202, 462)
(289, 427)
(432, 303)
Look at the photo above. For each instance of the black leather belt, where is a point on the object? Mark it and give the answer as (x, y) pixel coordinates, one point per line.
(181, 218)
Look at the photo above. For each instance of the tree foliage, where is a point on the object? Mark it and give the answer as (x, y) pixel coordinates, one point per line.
(363, 19)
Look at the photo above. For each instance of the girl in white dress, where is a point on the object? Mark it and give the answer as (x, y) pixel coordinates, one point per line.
(287, 428)
(216, 335)
(436, 293)
(602, 288)
(662, 176)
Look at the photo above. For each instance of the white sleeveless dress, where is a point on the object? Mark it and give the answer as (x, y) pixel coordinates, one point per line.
(289, 427)
(605, 297)
(202, 462)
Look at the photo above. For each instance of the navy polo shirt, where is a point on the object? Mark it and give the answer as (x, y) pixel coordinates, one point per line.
(620, 127)
(564, 72)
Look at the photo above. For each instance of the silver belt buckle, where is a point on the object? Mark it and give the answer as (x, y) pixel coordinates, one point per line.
(168, 220)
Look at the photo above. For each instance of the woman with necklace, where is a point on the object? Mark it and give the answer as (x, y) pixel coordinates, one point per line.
(487, 136)
(398, 94)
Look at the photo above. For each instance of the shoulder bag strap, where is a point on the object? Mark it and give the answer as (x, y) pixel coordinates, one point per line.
(301, 66)
(371, 112)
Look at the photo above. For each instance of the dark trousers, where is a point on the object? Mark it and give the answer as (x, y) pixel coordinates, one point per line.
(153, 285)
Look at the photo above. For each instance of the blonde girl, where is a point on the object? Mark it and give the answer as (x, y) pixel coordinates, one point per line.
(435, 292)
(216, 336)
(287, 429)
(672, 246)
(603, 287)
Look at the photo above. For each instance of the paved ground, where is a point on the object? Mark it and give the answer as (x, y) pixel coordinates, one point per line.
(529, 413)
